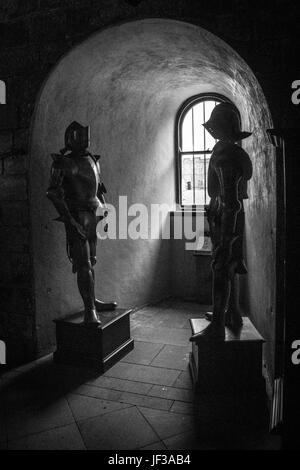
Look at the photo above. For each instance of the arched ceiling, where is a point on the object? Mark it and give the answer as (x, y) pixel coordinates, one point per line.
(123, 69)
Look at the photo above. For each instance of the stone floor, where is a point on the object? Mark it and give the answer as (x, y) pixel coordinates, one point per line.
(145, 401)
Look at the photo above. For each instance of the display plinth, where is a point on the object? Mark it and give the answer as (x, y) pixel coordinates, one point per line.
(93, 347)
(234, 364)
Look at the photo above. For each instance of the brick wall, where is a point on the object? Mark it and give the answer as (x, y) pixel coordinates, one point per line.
(34, 34)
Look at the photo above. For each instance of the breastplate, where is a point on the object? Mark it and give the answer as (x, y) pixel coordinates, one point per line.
(214, 188)
(81, 184)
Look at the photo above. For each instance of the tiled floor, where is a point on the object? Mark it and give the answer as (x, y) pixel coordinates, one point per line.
(145, 401)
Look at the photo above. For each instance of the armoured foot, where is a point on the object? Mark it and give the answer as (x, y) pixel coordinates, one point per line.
(209, 317)
(101, 306)
(91, 318)
(233, 320)
(214, 331)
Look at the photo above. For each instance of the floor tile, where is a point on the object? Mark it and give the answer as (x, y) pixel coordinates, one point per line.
(238, 439)
(184, 380)
(148, 374)
(148, 312)
(62, 438)
(172, 393)
(183, 407)
(147, 401)
(143, 353)
(113, 383)
(173, 357)
(175, 318)
(38, 417)
(210, 411)
(10, 376)
(177, 304)
(189, 441)
(156, 446)
(163, 335)
(215, 410)
(167, 424)
(263, 442)
(45, 380)
(97, 392)
(122, 429)
(165, 318)
(84, 407)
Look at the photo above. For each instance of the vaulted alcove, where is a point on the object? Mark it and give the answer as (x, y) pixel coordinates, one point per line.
(127, 82)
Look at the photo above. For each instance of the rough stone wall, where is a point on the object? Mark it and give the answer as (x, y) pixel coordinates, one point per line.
(34, 34)
(17, 322)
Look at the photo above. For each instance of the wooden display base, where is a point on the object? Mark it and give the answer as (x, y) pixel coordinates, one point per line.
(92, 347)
(231, 365)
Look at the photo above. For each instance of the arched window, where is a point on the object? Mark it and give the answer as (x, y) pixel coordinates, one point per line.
(2, 92)
(194, 147)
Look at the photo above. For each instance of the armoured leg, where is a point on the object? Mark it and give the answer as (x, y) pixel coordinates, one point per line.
(79, 252)
(222, 277)
(99, 304)
(85, 281)
(233, 314)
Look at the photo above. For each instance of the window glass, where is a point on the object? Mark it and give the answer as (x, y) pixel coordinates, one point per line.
(195, 148)
(187, 182)
(2, 92)
(187, 132)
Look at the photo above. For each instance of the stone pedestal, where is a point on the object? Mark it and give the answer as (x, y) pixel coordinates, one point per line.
(91, 347)
(226, 366)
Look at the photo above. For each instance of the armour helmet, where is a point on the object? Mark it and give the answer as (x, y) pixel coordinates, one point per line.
(224, 122)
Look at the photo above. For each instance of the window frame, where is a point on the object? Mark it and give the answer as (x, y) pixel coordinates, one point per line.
(181, 113)
(4, 91)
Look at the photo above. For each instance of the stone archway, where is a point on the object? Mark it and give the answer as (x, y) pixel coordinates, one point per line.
(128, 82)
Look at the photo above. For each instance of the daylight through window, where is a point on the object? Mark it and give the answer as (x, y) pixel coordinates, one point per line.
(195, 146)
(2, 92)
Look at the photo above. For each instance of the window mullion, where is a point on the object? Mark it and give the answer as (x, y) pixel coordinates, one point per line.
(193, 141)
(204, 140)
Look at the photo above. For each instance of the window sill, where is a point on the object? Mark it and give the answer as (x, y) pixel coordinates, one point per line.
(201, 253)
(187, 211)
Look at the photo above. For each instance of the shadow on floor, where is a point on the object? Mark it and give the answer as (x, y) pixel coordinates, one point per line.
(145, 401)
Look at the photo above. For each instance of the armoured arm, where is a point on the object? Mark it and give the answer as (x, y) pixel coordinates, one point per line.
(247, 167)
(55, 193)
(101, 191)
